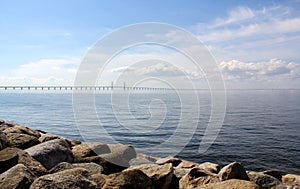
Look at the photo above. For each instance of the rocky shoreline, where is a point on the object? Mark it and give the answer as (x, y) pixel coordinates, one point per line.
(36, 159)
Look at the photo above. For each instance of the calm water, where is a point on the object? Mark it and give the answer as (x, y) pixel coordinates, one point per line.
(261, 128)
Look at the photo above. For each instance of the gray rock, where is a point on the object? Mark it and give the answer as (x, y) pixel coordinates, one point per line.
(233, 171)
(161, 175)
(1, 121)
(71, 178)
(92, 168)
(61, 167)
(125, 151)
(108, 167)
(21, 141)
(145, 156)
(263, 180)
(116, 159)
(89, 149)
(129, 179)
(139, 161)
(51, 153)
(212, 167)
(120, 154)
(197, 177)
(18, 177)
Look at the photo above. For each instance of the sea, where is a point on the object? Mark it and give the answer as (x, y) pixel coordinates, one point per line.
(260, 129)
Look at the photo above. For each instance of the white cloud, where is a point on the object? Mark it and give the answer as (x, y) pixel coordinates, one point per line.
(254, 34)
(43, 72)
(274, 70)
(236, 15)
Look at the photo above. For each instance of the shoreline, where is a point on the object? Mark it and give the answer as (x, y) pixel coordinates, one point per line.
(30, 158)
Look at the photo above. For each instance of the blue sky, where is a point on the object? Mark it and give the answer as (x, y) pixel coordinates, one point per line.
(256, 43)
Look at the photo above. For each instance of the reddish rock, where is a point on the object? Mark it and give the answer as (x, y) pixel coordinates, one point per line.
(175, 161)
(196, 178)
(231, 184)
(161, 175)
(187, 164)
(291, 178)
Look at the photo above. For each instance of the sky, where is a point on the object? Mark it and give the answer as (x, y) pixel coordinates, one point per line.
(255, 43)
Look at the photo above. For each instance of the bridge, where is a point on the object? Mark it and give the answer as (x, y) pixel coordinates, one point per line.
(84, 88)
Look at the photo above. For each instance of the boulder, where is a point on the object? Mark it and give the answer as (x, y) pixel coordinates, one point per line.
(71, 178)
(173, 160)
(92, 168)
(1, 121)
(231, 184)
(144, 156)
(233, 171)
(187, 164)
(291, 178)
(18, 177)
(212, 167)
(99, 179)
(3, 140)
(61, 167)
(263, 180)
(161, 175)
(51, 153)
(273, 173)
(180, 172)
(73, 142)
(21, 141)
(129, 179)
(127, 151)
(108, 167)
(287, 186)
(13, 156)
(120, 154)
(139, 161)
(46, 137)
(22, 130)
(88, 149)
(8, 159)
(197, 177)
